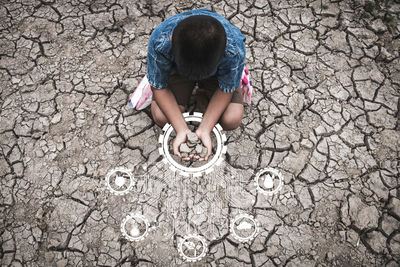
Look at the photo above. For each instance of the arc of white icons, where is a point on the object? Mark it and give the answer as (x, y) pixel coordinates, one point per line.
(193, 247)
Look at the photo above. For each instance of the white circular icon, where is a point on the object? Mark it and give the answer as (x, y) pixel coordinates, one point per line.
(119, 181)
(244, 228)
(192, 248)
(135, 227)
(269, 181)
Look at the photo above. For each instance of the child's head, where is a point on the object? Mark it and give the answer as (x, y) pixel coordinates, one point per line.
(198, 43)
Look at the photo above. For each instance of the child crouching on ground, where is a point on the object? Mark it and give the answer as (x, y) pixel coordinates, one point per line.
(197, 46)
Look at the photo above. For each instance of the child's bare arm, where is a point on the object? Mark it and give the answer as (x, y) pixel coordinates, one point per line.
(215, 108)
(166, 101)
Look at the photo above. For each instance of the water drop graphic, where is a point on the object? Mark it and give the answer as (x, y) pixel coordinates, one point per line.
(134, 231)
(119, 181)
(268, 181)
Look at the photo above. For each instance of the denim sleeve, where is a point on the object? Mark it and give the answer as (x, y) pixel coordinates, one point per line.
(230, 72)
(158, 65)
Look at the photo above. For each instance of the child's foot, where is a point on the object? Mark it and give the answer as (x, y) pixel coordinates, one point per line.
(142, 96)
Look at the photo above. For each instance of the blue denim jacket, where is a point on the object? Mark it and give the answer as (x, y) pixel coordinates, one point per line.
(160, 60)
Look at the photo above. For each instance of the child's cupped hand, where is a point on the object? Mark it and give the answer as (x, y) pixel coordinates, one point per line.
(205, 138)
(180, 139)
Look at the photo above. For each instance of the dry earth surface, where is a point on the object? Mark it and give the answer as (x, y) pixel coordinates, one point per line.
(326, 113)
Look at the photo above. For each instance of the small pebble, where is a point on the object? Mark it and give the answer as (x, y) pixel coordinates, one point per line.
(184, 148)
(192, 138)
(199, 149)
(191, 145)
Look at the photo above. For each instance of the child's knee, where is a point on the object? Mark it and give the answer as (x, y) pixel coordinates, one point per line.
(158, 117)
(159, 120)
(231, 124)
(232, 117)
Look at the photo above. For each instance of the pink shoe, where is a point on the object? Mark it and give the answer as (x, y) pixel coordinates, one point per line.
(247, 86)
(142, 96)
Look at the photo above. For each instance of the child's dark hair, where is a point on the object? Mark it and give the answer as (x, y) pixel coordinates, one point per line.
(198, 43)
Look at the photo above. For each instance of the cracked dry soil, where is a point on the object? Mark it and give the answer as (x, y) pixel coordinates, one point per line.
(326, 112)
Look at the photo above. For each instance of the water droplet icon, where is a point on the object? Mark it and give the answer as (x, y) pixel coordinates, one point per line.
(268, 181)
(134, 231)
(119, 181)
